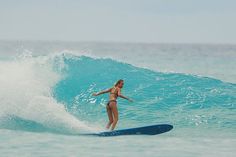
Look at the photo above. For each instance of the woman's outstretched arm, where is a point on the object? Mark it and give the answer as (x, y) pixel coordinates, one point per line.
(102, 92)
(124, 97)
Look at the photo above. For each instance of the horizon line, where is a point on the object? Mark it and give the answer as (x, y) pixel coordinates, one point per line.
(116, 41)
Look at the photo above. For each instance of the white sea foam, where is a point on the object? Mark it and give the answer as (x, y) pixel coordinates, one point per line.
(26, 92)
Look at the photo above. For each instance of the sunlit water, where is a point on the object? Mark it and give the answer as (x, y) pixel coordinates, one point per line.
(46, 98)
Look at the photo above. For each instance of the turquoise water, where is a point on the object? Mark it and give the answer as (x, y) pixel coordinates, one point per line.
(46, 101)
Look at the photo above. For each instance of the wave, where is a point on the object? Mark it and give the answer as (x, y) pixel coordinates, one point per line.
(53, 93)
(26, 96)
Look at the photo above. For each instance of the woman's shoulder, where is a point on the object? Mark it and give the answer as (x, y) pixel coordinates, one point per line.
(115, 89)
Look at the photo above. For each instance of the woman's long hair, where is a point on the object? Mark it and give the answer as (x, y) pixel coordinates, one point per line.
(118, 82)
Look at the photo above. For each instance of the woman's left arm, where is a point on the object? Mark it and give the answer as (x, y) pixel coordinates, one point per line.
(124, 97)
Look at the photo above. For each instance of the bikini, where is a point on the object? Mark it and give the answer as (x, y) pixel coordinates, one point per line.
(112, 100)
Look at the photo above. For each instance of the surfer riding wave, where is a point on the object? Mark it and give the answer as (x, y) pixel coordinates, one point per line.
(111, 106)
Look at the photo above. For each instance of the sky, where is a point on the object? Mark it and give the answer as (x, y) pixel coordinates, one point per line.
(149, 21)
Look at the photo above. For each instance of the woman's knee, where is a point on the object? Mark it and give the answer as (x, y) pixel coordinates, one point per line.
(116, 119)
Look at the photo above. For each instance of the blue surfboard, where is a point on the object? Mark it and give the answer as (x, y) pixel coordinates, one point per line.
(146, 130)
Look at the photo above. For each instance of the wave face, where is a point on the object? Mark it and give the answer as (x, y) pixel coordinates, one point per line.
(54, 93)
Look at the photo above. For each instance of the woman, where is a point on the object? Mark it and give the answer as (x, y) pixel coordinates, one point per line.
(112, 111)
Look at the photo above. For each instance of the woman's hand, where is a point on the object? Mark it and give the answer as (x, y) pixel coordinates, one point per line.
(130, 100)
(95, 94)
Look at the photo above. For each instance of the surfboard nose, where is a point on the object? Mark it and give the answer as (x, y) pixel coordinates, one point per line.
(146, 130)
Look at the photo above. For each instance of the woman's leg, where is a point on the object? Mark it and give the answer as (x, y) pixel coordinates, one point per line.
(109, 113)
(115, 114)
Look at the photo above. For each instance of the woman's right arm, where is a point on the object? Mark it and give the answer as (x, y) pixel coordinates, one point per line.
(102, 92)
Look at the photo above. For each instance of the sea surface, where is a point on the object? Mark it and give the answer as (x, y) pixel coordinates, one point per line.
(46, 98)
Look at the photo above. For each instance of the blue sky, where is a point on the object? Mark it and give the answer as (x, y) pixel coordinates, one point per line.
(168, 21)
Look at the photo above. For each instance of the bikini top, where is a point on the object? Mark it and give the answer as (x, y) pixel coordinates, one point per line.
(115, 92)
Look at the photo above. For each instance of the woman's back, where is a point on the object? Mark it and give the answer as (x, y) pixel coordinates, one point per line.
(114, 93)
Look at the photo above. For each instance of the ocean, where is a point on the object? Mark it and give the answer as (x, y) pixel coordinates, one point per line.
(46, 98)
